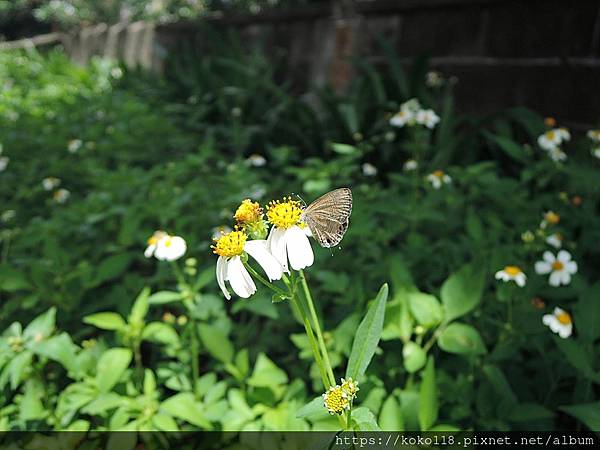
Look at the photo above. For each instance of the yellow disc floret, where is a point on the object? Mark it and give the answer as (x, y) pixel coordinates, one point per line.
(552, 218)
(438, 174)
(350, 387)
(564, 318)
(335, 400)
(512, 270)
(284, 214)
(248, 212)
(230, 244)
(157, 236)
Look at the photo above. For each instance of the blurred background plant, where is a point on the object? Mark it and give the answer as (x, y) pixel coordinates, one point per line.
(99, 157)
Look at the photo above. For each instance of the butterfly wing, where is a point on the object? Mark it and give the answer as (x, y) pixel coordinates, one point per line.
(328, 216)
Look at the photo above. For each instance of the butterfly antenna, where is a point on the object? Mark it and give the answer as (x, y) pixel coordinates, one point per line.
(300, 199)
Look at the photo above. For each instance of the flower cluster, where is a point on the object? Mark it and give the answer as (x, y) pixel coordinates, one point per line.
(339, 398)
(411, 113)
(165, 247)
(551, 141)
(594, 136)
(438, 178)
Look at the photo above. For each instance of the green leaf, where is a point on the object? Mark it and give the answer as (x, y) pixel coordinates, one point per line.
(524, 412)
(462, 292)
(111, 366)
(266, 373)
(587, 313)
(588, 413)
(140, 307)
(111, 268)
(105, 321)
(508, 146)
(425, 308)
(149, 382)
(121, 441)
(364, 419)
(428, 402)
(104, 402)
(216, 342)
(578, 357)
(164, 422)
(462, 339)
(12, 280)
(185, 407)
(344, 149)
(162, 297)
(161, 333)
(313, 408)
(390, 417)
(59, 348)
(42, 326)
(414, 357)
(31, 406)
(367, 336)
(15, 369)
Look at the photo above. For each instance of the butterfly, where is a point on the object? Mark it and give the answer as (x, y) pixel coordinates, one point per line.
(327, 217)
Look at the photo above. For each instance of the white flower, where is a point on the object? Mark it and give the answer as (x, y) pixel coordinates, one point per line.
(4, 160)
(152, 242)
(61, 196)
(74, 145)
(555, 240)
(427, 117)
(438, 178)
(287, 239)
(256, 160)
(550, 139)
(512, 273)
(410, 165)
(594, 135)
(402, 118)
(116, 73)
(560, 322)
(596, 152)
(50, 183)
(434, 79)
(369, 170)
(560, 267)
(230, 247)
(170, 248)
(556, 154)
(564, 134)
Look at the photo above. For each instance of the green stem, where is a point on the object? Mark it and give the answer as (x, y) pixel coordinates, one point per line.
(263, 280)
(195, 354)
(315, 319)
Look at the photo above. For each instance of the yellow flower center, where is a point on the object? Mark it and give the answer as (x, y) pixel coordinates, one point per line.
(557, 265)
(350, 387)
(230, 244)
(153, 240)
(512, 270)
(335, 400)
(168, 242)
(564, 318)
(284, 214)
(552, 218)
(248, 212)
(439, 174)
(550, 135)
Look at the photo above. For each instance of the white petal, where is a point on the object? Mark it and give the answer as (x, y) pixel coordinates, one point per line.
(543, 267)
(565, 331)
(276, 245)
(558, 311)
(555, 278)
(548, 257)
(571, 267)
(499, 275)
(238, 277)
(520, 279)
(149, 250)
(547, 319)
(258, 250)
(563, 256)
(565, 277)
(221, 273)
(298, 248)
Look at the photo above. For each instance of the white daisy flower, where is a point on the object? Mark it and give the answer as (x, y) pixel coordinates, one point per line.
(427, 117)
(230, 247)
(61, 195)
(550, 139)
(256, 160)
(402, 118)
(512, 273)
(74, 145)
(50, 183)
(438, 178)
(369, 170)
(288, 238)
(555, 240)
(560, 322)
(564, 134)
(594, 135)
(170, 248)
(4, 160)
(152, 242)
(410, 165)
(557, 155)
(560, 267)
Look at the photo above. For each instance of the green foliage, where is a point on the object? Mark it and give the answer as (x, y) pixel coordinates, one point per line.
(96, 336)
